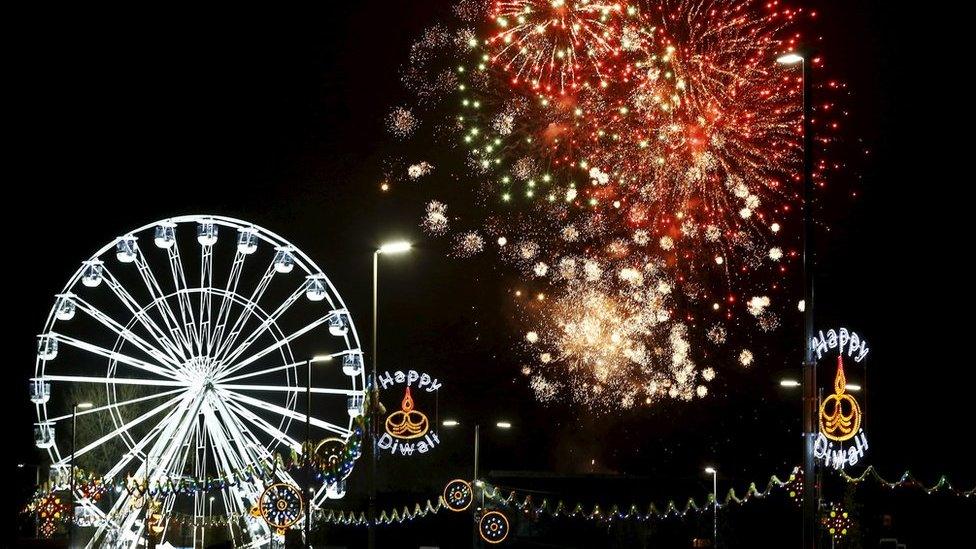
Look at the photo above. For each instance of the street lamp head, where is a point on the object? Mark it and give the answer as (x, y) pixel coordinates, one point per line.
(503, 425)
(450, 423)
(84, 405)
(395, 247)
(322, 358)
(853, 387)
(789, 59)
(710, 470)
(791, 383)
(211, 498)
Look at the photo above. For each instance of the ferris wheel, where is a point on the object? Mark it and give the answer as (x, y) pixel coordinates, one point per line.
(189, 341)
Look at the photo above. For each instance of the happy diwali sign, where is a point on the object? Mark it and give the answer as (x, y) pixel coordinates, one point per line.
(841, 440)
(408, 429)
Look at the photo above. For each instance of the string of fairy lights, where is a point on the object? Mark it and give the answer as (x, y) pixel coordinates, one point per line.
(525, 503)
(519, 501)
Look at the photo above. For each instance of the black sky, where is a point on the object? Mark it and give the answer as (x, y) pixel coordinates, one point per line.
(120, 118)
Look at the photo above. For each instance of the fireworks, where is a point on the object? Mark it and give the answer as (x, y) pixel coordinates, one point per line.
(745, 357)
(401, 122)
(637, 160)
(556, 45)
(435, 219)
(469, 244)
(420, 169)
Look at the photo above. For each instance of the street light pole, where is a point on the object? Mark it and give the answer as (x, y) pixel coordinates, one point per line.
(308, 438)
(306, 450)
(373, 415)
(477, 449)
(390, 248)
(71, 472)
(809, 362)
(71, 464)
(714, 473)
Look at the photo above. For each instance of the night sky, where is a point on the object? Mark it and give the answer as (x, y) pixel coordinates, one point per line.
(122, 118)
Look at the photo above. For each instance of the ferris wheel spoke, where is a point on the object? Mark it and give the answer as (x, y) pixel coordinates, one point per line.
(262, 424)
(137, 447)
(267, 406)
(268, 322)
(115, 405)
(115, 355)
(223, 313)
(276, 345)
(206, 296)
(262, 372)
(247, 444)
(183, 295)
(247, 311)
(221, 447)
(166, 338)
(198, 442)
(220, 443)
(125, 333)
(166, 437)
(118, 431)
(115, 380)
(289, 389)
(165, 310)
(166, 458)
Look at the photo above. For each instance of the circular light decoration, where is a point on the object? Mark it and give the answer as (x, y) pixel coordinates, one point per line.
(458, 495)
(281, 506)
(330, 451)
(493, 527)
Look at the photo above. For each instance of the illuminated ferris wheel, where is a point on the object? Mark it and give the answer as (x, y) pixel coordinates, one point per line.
(179, 351)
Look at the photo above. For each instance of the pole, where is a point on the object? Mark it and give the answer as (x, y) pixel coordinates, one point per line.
(715, 508)
(71, 471)
(371, 526)
(809, 362)
(308, 437)
(477, 449)
(37, 485)
(145, 508)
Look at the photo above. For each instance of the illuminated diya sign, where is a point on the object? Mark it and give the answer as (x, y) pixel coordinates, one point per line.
(841, 441)
(408, 429)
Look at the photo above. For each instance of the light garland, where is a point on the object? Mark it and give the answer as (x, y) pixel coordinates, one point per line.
(394, 516)
(497, 495)
(908, 480)
(328, 470)
(525, 504)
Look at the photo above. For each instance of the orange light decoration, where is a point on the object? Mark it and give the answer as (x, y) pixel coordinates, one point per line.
(458, 495)
(493, 527)
(840, 414)
(281, 505)
(407, 423)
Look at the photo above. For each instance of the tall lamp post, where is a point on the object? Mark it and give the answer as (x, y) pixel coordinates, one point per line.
(71, 463)
(451, 423)
(809, 362)
(504, 425)
(306, 456)
(37, 484)
(390, 248)
(712, 471)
